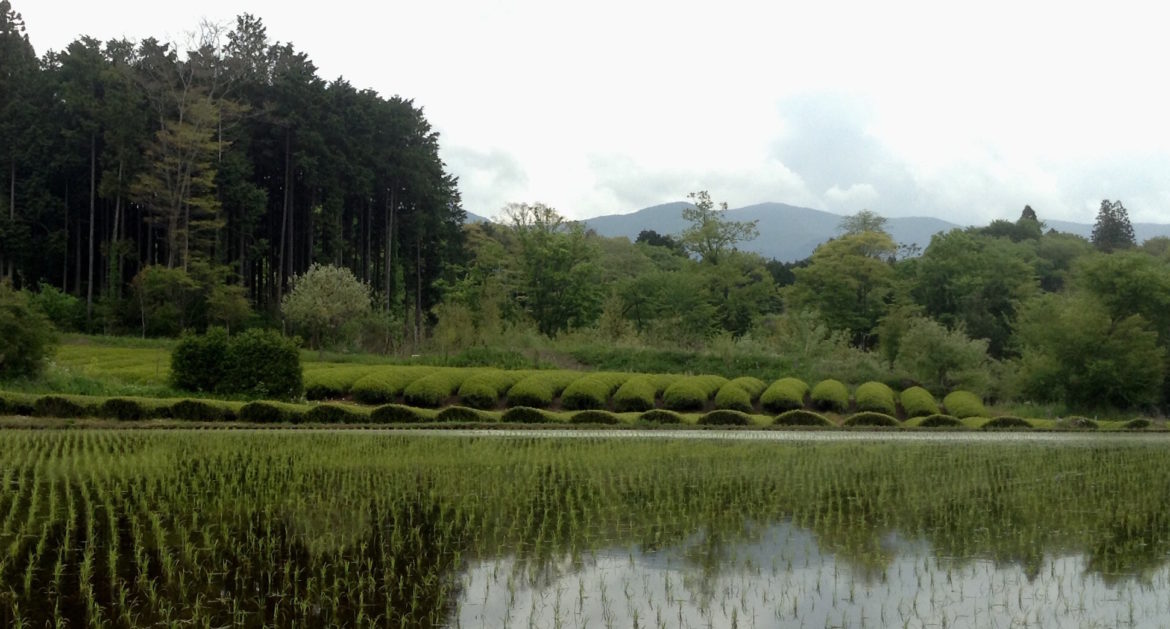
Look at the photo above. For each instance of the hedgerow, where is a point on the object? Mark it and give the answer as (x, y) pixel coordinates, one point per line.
(459, 414)
(332, 381)
(830, 395)
(754, 386)
(56, 406)
(939, 421)
(525, 415)
(660, 416)
(1136, 424)
(691, 393)
(198, 410)
(591, 391)
(386, 384)
(1078, 423)
(1006, 422)
(332, 414)
(122, 409)
(263, 364)
(263, 413)
(733, 397)
(483, 389)
(395, 414)
(876, 397)
(594, 417)
(539, 389)
(432, 390)
(918, 402)
(784, 394)
(725, 418)
(801, 417)
(871, 418)
(963, 404)
(636, 394)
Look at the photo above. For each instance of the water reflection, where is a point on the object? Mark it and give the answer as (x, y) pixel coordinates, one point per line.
(785, 577)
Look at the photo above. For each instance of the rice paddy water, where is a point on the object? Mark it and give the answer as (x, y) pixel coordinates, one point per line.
(137, 528)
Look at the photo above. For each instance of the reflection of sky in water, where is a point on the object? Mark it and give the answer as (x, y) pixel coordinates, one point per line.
(783, 580)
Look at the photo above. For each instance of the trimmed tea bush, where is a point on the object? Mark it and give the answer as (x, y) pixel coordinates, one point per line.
(1007, 422)
(56, 406)
(660, 416)
(591, 391)
(432, 390)
(871, 418)
(1136, 424)
(940, 421)
(332, 414)
(539, 389)
(784, 394)
(483, 389)
(198, 411)
(964, 404)
(17, 405)
(691, 393)
(1078, 423)
(801, 417)
(636, 394)
(386, 384)
(918, 402)
(733, 397)
(594, 417)
(876, 397)
(122, 409)
(830, 395)
(332, 381)
(459, 414)
(725, 418)
(197, 362)
(753, 386)
(263, 413)
(395, 414)
(525, 415)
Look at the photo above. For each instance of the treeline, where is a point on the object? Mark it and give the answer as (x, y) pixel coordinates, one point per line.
(174, 186)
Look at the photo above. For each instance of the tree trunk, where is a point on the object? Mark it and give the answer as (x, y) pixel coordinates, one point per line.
(389, 248)
(65, 257)
(418, 289)
(279, 287)
(114, 274)
(92, 222)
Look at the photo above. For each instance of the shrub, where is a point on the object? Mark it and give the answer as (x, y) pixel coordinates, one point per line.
(395, 414)
(484, 388)
(918, 402)
(871, 418)
(432, 390)
(726, 418)
(636, 394)
(332, 381)
(196, 410)
(122, 409)
(539, 389)
(784, 394)
(1006, 422)
(1136, 424)
(263, 413)
(25, 335)
(594, 417)
(753, 386)
(801, 417)
(1078, 423)
(197, 362)
(263, 364)
(691, 393)
(332, 414)
(525, 415)
(63, 310)
(459, 414)
(940, 421)
(323, 300)
(732, 397)
(659, 416)
(17, 406)
(56, 406)
(385, 385)
(591, 392)
(964, 404)
(876, 397)
(830, 395)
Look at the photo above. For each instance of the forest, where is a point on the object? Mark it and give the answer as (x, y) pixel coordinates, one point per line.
(155, 187)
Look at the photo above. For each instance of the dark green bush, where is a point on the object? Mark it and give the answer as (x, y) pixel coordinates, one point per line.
(1136, 424)
(262, 364)
(754, 386)
(525, 415)
(588, 392)
(871, 418)
(1078, 423)
(26, 335)
(918, 402)
(386, 384)
(876, 397)
(122, 409)
(725, 418)
(17, 406)
(784, 394)
(636, 394)
(197, 362)
(432, 390)
(1007, 422)
(830, 395)
(55, 406)
(733, 397)
(659, 416)
(964, 404)
(482, 390)
(263, 413)
(940, 421)
(198, 411)
(684, 395)
(538, 390)
(594, 417)
(801, 417)
(459, 414)
(332, 414)
(395, 414)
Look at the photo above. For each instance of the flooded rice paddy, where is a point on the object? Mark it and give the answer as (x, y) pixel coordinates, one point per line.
(309, 529)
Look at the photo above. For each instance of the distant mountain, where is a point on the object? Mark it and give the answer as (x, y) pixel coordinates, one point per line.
(787, 232)
(476, 218)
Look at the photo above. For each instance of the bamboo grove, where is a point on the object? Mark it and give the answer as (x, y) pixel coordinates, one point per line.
(223, 165)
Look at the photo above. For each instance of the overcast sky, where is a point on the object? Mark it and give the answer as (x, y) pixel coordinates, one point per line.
(608, 106)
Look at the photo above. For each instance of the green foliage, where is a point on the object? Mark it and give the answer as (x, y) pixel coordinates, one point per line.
(262, 364)
(964, 404)
(167, 300)
(66, 312)
(660, 416)
(591, 391)
(731, 396)
(918, 402)
(594, 417)
(691, 392)
(198, 410)
(710, 236)
(830, 395)
(332, 414)
(459, 414)
(940, 421)
(801, 417)
(942, 359)
(1007, 422)
(26, 336)
(386, 384)
(525, 415)
(1129, 283)
(876, 397)
(725, 417)
(395, 414)
(539, 389)
(432, 390)
(122, 409)
(1077, 423)
(265, 413)
(636, 394)
(871, 418)
(752, 385)
(785, 394)
(1136, 424)
(198, 360)
(56, 406)
(332, 381)
(322, 300)
(483, 389)
(1113, 230)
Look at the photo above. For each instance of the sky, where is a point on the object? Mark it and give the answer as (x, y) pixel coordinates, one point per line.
(961, 111)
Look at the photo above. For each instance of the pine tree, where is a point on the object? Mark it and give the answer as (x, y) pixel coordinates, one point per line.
(1113, 230)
